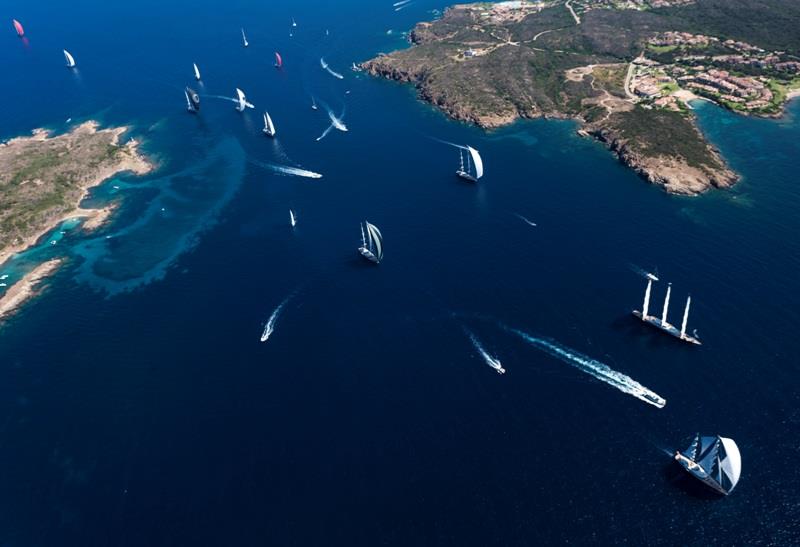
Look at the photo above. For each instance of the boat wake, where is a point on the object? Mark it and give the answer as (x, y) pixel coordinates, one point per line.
(288, 170)
(333, 73)
(525, 220)
(641, 271)
(269, 328)
(401, 3)
(488, 359)
(325, 133)
(599, 370)
(403, 6)
(232, 99)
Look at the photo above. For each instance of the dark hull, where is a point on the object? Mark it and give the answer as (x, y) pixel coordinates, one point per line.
(466, 176)
(366, 253)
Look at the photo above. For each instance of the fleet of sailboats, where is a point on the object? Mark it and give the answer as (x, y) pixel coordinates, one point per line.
(70, 59)
(269, 127)
(371, 243)
(473, 170)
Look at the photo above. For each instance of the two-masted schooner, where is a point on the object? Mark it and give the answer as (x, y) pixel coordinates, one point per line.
(371, 243)
(714, 460)
(474, 167)
(661, 323)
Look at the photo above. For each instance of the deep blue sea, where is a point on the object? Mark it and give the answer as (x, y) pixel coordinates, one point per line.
(138, 406)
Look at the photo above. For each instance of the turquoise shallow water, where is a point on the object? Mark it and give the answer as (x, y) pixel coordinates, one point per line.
(139, 407)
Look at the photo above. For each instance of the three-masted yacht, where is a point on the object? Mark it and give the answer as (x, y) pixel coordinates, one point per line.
(661, 323)
(371, 243)
(473, 170)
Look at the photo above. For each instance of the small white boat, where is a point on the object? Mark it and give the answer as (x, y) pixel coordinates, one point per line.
(313, 104)
(4, 277)
(269, 127)
(70, 59)
(292, 218)
(294, 24)
(196, 72)
(371, 243)
(473, 161)
(244, 39)
(3, 284)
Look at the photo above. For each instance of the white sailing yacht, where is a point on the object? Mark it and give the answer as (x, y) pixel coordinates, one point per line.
(371, 243)
(244, 39)
(70, 59)
(269, 128)
(473, 160)
(662, 323)
(292, 218)
(196, 72)
(241, 101)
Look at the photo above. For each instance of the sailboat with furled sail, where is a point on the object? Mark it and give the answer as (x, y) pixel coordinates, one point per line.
(269, 127)
(196, 72)
(474, 167)
(661, 323)
(70, 59)
(715, 461)
(192, 99)
(371, 243)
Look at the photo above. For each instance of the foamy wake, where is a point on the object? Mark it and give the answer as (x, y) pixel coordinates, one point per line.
(324, 65)
(288, 170)
(599, 370)
(488, 359)
(525, 220)
(269, 328)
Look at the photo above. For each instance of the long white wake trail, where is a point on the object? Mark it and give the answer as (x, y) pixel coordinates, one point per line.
(288, 170)
(333, 73)
(488, 359)
(599, 370)
(269, 328)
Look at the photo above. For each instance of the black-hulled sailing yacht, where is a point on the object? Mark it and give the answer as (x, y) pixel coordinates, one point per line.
(714, 460)
(192, 99)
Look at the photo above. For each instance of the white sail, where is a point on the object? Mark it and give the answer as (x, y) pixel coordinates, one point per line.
(376, 240)
(363, 238)
(188, 102)
(666, 305)
(268, 124)
(685, 316)
(241, 101)
(731, 464)
(646, 305)
(70, 59)
(292, 218)
(196, 72)
(476, 159)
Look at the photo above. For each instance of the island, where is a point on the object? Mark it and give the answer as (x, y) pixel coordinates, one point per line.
(626, 70)
(43, 180)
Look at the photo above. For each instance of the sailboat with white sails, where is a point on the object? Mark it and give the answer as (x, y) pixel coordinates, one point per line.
(269, 127)
(292, 218)
(196, 72)
(474, 168)
(371, 243)
(70, 59)
(241, 101)
(661, 323)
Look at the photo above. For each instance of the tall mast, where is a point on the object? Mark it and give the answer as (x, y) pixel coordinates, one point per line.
(646, 305)
(461, 157)
(666, 305)
(363, 239)
(685, 316)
